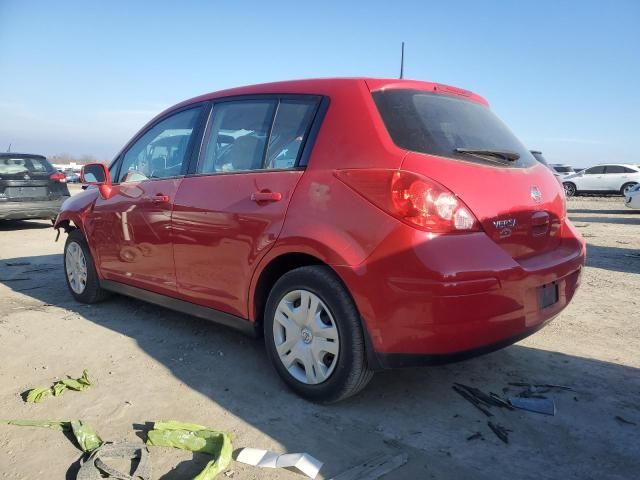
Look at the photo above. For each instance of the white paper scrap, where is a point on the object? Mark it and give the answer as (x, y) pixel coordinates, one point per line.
(263, 458)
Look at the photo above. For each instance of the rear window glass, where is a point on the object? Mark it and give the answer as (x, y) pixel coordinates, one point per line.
(14, 165)
(439, 124)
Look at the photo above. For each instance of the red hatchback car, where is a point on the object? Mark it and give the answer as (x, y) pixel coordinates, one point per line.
(360, 224)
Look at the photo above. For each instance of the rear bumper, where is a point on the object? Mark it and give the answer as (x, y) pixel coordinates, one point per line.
(449, 298)
(30, 209)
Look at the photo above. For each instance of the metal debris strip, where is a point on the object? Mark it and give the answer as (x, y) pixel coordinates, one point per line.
(374, 468)
(537, 405)
(501, 432)
(623, 420)
(303, 462)
(472, 400)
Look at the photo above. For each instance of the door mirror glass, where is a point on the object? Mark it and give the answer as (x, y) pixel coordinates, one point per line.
(95, 174)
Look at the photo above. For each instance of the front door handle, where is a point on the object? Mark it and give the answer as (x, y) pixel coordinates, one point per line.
(266, 197)
(159, 198)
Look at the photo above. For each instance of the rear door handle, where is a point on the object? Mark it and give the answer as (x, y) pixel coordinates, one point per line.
(159, 198)
(266, 197)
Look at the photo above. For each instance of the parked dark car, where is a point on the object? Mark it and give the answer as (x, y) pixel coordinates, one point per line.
(30, 187)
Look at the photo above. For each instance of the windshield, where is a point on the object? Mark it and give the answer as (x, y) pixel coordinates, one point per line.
(439, 124)
(15, 165)
(563, 169)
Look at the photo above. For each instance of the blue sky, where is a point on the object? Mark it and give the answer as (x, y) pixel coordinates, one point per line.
(83, 77)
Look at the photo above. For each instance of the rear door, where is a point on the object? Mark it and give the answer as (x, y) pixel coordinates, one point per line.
(229, 213)
(615, 176)
(28, 178)
(130, 230)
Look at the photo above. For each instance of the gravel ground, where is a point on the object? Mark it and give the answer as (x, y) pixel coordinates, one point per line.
(150, 363)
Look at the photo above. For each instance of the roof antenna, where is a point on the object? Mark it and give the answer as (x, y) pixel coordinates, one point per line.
(402, 62)
(9, 149)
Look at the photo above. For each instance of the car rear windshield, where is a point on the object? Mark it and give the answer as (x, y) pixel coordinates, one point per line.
(439, 124)
(18, 164)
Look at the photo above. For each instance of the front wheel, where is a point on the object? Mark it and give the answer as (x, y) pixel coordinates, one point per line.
(626, 187)
(314, 337)
(80, 273)
(569, 189)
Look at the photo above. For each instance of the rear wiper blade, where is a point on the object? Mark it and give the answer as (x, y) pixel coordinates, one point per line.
(506, 154)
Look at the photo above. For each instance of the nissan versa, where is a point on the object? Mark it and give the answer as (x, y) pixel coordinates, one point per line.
(359, 224)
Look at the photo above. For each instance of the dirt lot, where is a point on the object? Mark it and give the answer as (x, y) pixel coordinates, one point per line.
(150, 363)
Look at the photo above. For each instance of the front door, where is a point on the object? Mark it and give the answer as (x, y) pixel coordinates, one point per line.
(131, 228)
(591, 179)
(229, 214)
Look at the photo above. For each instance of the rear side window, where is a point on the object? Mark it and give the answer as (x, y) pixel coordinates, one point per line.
(237, 136)
(293, 119)
(18, 164)
(438, 124)
(245, 135)
(615, 169)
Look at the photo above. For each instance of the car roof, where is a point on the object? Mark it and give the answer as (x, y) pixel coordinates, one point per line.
(634, 165)
(324, 86)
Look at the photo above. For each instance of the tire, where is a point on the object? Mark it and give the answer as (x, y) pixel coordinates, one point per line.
(345, 373)
(570, 189)
(625, 188)
(88, 291)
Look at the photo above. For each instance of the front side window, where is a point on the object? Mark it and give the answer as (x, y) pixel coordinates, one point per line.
(439, 124)
(594, 170)
(162, 150)
(237, 136)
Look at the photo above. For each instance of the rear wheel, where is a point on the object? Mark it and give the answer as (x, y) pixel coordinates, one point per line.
(314, 337)
(80, 273)
(569, 189)
(626, 187)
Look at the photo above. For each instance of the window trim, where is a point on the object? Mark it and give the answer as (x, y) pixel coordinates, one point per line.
(188, 158)
(321, 106)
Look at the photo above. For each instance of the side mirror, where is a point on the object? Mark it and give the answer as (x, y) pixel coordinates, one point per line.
(97, 174)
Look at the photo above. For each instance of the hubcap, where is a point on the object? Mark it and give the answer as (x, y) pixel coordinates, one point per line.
(306, 337)
(76, 266)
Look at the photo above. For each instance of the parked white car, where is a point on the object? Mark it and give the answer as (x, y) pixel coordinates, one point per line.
(609, 178)
(632, 197)
(562, 170)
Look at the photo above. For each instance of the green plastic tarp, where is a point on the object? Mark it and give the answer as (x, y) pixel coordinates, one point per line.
(87, 438)
(79, 384)
(195, 438)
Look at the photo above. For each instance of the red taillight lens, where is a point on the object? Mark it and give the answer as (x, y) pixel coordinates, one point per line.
(58, 177)
(416, 200)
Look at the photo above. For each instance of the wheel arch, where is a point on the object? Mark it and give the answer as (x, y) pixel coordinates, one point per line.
(276, 266)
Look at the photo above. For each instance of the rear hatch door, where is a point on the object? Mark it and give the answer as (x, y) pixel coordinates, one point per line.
(459, 142)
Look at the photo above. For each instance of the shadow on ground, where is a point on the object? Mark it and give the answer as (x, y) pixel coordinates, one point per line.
(7, 225)
(413, 411)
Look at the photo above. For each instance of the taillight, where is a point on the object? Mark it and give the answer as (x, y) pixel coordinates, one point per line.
(58, 177)
(416, 200)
